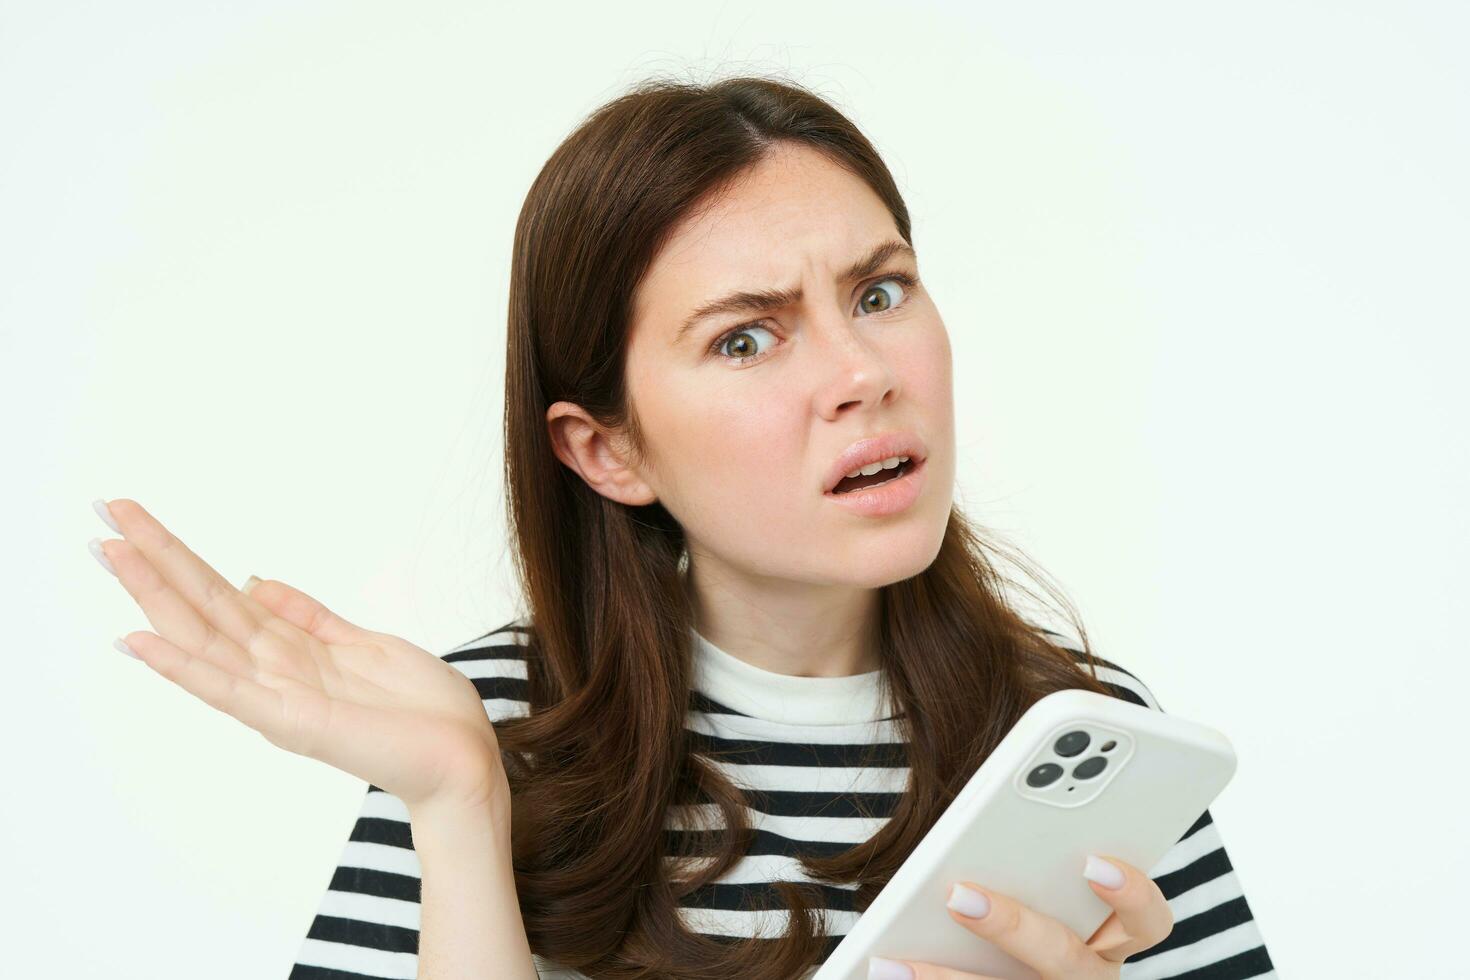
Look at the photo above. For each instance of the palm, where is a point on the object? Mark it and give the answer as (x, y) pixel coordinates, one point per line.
(382, 709)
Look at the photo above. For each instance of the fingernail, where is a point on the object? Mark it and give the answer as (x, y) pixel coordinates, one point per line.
(1104, 873)
(95, 547)
(250, 583)
(100, 506)
(881, 969)
(121, 645)
(967, 901)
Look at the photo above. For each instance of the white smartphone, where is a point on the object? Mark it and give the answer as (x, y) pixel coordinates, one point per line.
(1079, 773)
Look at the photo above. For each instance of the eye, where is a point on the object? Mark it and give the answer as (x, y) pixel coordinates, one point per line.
(874, 290)
(735, 335)
(886, 305)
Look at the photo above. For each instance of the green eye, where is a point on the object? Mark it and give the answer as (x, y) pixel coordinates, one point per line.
(875, 290)
(737, 333)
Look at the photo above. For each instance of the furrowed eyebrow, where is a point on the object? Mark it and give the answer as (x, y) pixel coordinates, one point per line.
(759, 301)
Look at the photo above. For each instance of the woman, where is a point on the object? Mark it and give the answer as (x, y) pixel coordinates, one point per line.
(747, 684)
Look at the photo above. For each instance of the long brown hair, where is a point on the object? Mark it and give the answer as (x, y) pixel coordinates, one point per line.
(603, 755)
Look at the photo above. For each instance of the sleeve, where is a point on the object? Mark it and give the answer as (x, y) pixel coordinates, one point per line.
(367, 923)
(366, 926)
(1215, 936)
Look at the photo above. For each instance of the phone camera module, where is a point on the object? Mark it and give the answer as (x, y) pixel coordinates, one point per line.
(1072, 743)
(1069, 763)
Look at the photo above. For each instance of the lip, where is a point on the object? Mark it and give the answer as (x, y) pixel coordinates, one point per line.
(887, 498)
(872, 450)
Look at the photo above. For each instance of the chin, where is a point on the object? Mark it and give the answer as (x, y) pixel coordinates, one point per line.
(890, 567)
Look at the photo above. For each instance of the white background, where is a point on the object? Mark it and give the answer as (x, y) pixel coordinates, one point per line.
(1203, 269)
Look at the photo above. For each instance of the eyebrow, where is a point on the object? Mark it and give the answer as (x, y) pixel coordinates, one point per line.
(759, 301)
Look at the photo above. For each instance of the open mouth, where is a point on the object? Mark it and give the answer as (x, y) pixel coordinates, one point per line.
(857, 484)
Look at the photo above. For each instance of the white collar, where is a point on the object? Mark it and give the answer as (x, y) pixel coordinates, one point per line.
(786, 698)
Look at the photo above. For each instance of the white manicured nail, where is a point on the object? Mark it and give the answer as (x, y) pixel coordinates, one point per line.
(1105, 874)
(967, 901)
(95, 547)
(100, 506)
(122, 645)
(881, 969)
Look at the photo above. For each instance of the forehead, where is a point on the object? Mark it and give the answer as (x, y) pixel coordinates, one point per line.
(792, 214)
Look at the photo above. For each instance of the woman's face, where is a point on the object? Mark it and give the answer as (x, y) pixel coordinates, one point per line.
(738, 451)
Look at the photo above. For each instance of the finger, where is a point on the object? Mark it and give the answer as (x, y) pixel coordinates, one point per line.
(1109, 934)
(238, 696)
(216, 600)
(1035, 939)
(172, 617)
(884, 969)
(1141, 915)
(303, 612)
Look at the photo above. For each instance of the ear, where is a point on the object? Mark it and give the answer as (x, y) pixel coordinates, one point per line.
(596, 454)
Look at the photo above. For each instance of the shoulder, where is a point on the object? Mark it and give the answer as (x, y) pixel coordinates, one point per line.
(496, 662)
(1124, 683)
(507, 641)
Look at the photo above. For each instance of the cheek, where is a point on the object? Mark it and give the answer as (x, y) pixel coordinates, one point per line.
(740, 461)
(929, 366)
(749, 446)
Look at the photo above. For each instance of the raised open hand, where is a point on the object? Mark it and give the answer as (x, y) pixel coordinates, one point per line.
(278, 660)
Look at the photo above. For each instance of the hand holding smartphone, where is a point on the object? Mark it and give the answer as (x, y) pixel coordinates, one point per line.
(1080, 773)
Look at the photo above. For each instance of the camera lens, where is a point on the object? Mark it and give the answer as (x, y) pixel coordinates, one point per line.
(1072, 743)
(1090, 768)
(1044, 774)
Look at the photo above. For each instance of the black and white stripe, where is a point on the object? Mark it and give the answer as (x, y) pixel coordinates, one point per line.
(812, 790)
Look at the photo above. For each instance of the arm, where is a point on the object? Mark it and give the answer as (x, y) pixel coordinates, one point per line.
(470, 923)
(368, 918)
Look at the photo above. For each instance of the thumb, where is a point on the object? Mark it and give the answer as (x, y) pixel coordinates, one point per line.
(302, 611)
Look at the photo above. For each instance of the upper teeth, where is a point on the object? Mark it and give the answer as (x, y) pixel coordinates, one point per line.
(871, 468)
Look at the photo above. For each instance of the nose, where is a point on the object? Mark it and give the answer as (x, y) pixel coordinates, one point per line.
(854, 369)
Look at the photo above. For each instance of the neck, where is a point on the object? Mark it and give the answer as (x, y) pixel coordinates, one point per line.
(788, 628)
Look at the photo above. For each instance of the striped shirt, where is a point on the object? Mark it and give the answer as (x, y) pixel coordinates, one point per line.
(804, 745)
